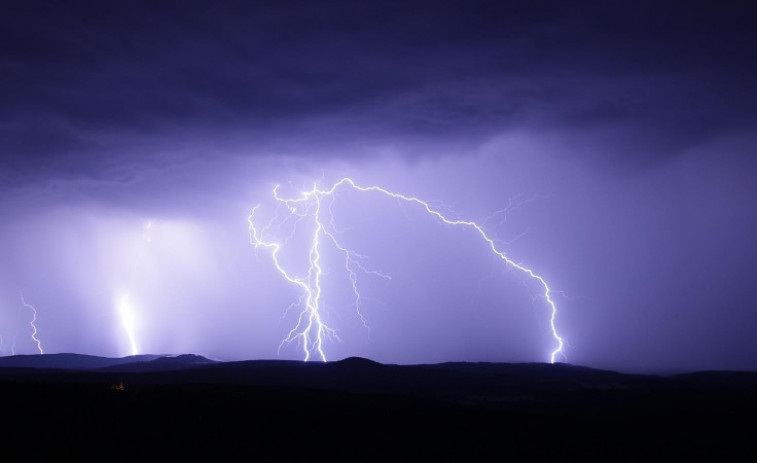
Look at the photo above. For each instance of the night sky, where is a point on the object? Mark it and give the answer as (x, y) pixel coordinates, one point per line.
(608, 146)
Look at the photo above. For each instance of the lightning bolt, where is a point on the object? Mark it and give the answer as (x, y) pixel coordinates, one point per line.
(310, 329)
(5, 349)
(128, 322)
(33, 323)
(126, 310)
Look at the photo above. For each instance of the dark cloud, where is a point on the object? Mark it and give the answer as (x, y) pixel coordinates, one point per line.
(650, 78)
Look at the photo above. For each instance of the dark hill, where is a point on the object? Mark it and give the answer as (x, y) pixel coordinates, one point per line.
(188, 406)
(161, 363)
(69, 361)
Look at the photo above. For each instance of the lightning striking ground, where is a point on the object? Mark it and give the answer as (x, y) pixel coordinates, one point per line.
(6, 349)
(33, 323)
(311, 329)
(126, 313)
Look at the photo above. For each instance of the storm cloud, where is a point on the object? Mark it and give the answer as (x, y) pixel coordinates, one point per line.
(621, 135)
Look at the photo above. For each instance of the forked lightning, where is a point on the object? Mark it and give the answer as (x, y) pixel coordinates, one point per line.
(311, 329)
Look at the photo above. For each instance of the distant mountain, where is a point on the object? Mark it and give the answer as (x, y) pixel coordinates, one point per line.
(69, 361)
(161, 363)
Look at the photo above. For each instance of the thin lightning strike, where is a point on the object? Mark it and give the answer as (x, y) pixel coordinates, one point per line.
(6, 349)
(33, 323)
(311, 329)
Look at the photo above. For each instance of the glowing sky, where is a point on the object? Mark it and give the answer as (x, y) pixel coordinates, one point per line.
(609, 146)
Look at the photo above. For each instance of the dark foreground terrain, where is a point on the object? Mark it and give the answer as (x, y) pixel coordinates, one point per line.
(148, 407)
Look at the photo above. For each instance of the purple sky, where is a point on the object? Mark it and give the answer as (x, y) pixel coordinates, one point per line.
(608, 146)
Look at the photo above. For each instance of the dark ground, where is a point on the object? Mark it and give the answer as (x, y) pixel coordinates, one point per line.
(356, 410)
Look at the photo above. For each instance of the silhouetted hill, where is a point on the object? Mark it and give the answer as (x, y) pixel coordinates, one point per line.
(188, 406)
(161, 363)
(69, 361)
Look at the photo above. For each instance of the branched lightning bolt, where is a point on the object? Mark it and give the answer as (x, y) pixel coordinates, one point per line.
(33, 323)
(311, 328)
